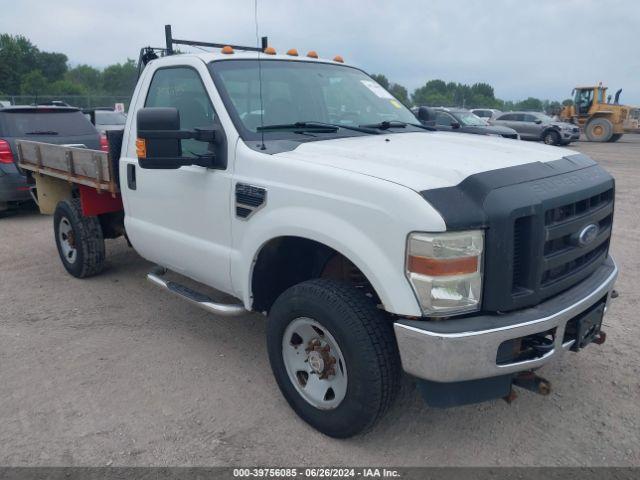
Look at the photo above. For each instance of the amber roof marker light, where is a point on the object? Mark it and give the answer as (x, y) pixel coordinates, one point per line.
(270, 51)
(312, 54)
(338, 58)
(293, 52)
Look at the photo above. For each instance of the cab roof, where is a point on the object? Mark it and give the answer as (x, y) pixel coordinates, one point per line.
(239, 54)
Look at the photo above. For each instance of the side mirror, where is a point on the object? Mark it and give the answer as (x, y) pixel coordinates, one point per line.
(537, 121)
(159, 140)
(455, 125)
(423, 114)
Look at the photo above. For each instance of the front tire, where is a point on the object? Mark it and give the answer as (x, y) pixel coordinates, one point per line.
(551, 137)
(599, 130)
(334, 356)
(79, 239)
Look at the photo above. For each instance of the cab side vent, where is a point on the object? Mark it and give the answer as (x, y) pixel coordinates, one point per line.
(249, 198)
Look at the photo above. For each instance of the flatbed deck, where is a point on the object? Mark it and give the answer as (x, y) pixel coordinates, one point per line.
(91, 168)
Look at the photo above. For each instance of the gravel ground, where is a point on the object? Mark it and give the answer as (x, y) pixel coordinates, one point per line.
(109, 371)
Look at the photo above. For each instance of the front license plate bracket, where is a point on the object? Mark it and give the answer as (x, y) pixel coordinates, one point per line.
(585, 328)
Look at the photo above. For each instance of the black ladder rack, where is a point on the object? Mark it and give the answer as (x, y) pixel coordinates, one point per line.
(174, 41)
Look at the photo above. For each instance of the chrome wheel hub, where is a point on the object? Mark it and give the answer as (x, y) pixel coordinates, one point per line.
(314, 363)
(66, 239)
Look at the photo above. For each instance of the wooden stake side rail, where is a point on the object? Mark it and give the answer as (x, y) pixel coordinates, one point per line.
(92, 168)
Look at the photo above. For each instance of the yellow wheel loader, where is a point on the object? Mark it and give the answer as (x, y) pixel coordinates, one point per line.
(601, 120)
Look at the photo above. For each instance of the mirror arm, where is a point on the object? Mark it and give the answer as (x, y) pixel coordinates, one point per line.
(199, 134)
(204, 134)
(165, 134)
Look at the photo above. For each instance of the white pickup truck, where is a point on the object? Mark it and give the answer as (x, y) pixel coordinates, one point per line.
(302, 188)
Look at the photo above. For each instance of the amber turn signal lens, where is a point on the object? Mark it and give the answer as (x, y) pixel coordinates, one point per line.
(441, 267)
(312, 54)
(293, 52)
(227, 50)
(338, 58)
(141, 148)
(270, 51)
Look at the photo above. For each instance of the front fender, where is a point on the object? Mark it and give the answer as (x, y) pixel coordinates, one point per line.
(380, 258)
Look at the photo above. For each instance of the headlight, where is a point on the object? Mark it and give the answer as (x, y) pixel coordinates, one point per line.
(445, 271)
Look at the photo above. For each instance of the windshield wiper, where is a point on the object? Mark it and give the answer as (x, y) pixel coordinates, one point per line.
(317, 127)
(42, 132)
(386, 125)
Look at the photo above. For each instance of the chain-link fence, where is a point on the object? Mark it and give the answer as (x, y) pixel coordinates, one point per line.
(80, 101)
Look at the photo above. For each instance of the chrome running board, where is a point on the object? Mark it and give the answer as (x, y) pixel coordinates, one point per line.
(191, 296)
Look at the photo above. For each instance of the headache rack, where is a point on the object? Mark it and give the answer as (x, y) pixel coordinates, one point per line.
(151, 53)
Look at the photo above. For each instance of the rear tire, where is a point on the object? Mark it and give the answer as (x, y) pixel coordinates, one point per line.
(551, 137)
(615, 137)
(355, 340)
(79, 239)
(599, 130)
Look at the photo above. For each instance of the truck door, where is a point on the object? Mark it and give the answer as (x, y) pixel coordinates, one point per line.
(180, 218)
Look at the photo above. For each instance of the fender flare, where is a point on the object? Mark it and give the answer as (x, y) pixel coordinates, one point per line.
(386, 276)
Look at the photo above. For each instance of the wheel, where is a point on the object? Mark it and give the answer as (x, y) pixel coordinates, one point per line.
(79, 239)
(615, 137)
(599, 130)
(334, 356)
(551, 137)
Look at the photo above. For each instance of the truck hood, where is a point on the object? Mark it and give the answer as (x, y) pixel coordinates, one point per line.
(423, 160)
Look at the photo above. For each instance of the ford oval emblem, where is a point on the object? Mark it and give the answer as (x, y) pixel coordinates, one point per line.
(588, 234)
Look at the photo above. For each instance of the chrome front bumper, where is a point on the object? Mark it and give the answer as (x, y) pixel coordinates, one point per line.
(456, 350)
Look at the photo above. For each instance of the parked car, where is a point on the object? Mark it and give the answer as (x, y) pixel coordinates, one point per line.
(462, 121)
(52, 103)
(539, 126)
(50, 124)
(370, 243)
(487, 113)
(106, 119)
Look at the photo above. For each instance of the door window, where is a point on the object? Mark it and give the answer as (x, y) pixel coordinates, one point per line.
(444, 119)
(529, 118)
(182, 88)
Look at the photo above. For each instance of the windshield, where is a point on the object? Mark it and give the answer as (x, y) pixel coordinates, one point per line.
(110, 118)
(468, 118)
(64, 123)
(295, 91)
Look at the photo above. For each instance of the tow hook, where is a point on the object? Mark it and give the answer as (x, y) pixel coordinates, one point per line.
(528, 381)
(600, 339)
(614, 294)
(531, 381)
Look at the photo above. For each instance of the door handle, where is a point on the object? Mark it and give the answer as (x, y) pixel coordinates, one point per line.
(131, 176)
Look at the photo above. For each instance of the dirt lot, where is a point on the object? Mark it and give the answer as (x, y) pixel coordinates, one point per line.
(109, 371)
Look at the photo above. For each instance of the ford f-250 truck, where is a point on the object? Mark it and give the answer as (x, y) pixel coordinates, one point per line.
(302, 188)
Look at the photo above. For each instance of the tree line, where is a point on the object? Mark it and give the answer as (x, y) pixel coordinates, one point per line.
(438, 93)
(27, 70)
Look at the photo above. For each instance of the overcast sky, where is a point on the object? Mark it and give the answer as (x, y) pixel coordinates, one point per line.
(523, 48)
